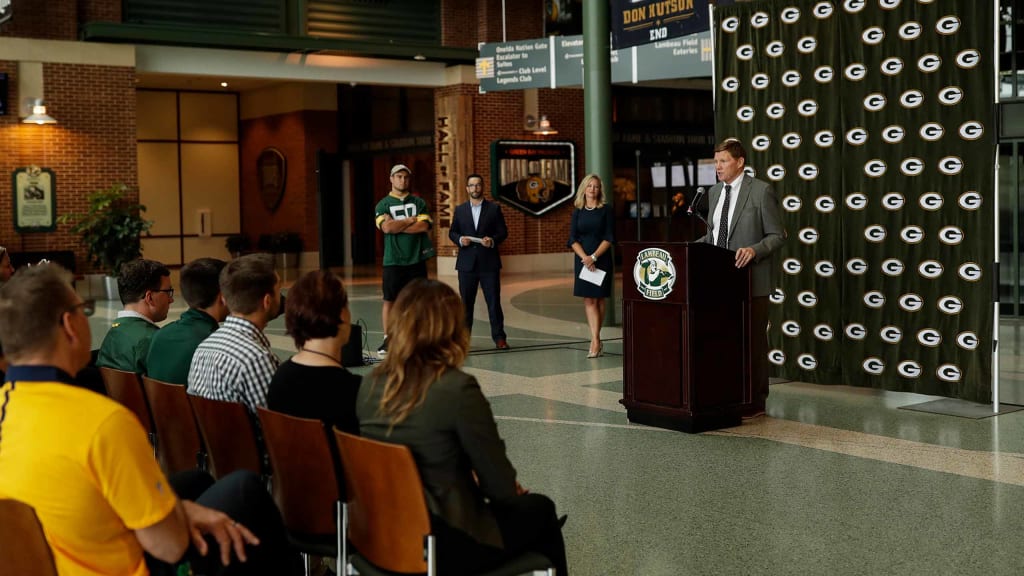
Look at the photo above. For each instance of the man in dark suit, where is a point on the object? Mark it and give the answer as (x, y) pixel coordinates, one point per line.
(478, 227)
(744, 216)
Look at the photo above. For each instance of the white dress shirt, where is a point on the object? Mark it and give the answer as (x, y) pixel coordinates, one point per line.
(733, 194)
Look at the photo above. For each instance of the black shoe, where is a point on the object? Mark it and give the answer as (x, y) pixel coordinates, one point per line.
(382, 350)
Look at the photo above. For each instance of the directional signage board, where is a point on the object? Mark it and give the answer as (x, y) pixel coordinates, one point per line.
(531, 63)
(515, 65)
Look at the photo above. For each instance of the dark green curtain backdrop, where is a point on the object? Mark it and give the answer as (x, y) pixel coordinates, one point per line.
(872, 119)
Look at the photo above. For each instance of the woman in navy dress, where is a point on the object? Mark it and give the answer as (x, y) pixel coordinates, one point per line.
(591, 235)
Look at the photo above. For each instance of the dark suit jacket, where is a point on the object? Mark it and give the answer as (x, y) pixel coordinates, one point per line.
(756, 222)
(451, 435)
(477, 257)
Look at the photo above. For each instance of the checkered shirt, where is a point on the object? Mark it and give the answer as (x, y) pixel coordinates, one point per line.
(234, 364)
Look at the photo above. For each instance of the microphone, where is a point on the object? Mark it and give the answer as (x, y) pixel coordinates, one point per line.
(696, 199)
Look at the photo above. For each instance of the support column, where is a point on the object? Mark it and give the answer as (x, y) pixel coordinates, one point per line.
(597, 108)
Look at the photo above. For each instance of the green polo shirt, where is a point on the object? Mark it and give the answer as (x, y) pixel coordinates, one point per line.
(171, 349)
(126, 345)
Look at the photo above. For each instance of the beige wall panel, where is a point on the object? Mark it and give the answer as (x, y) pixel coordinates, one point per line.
(209, 117)
(158, 185)
(165, 250)
(288, 97)
(206, 248)
(156, 115)
(210, 181)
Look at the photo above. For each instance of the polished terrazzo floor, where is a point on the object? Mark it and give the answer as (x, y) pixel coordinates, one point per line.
(835, 480)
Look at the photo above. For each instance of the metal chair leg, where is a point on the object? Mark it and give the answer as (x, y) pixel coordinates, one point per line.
(431, 556)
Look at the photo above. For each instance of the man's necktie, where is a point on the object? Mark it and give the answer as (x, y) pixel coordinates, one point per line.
(723, 221)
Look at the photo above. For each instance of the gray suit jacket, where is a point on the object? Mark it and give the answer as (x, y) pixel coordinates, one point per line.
(757, 223)
(451, 435)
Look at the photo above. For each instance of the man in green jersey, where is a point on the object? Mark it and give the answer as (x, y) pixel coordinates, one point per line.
(145, 289)
(405, 221)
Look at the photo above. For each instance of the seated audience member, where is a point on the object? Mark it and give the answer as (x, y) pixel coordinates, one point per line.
(83, 461)
(418, 396)
(236, 363)
(145, 289)
(171, 349)
(6, 268)
(313, 383)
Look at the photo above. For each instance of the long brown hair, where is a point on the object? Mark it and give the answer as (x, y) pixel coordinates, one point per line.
(427, 336)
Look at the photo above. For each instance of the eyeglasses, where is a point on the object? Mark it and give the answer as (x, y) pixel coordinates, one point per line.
(88, 308)
(169, 291)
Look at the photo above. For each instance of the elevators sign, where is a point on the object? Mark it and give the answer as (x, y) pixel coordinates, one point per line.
(272, 170)
(34, 192)
(532, 176)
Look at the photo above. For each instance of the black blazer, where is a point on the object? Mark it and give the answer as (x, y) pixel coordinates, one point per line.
(477, 257)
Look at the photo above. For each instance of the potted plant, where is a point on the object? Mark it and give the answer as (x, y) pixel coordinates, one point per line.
(111, 229)
(237, 244)
(286, 247)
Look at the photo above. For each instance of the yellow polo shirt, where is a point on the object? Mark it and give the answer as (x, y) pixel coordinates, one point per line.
(83, 462)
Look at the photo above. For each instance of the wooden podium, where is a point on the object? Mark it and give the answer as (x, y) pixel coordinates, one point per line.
(687, 347)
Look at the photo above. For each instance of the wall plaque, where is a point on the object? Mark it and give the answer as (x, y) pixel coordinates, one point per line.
(34, 193)
(533, 176)
(272, 170)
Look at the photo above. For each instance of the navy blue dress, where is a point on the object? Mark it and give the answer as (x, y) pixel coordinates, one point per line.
(589, 228)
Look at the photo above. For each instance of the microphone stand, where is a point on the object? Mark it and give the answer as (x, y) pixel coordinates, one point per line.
(690, 210)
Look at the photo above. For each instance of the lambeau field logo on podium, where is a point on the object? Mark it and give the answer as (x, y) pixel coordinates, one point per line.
(654, 273)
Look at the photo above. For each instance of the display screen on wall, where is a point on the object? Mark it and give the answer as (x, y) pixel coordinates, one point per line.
(533, 176)
(3, 93)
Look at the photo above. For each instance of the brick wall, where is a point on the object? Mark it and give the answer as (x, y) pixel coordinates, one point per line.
(99, 10)
(91, 147)
(298, 135)
(43, 19)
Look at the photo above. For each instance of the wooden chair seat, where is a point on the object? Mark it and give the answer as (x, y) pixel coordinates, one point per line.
(177, 437)
(23, 546)
(386, 514)
(228, 435)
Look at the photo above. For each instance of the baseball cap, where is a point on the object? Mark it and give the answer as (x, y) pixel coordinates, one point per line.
(398, 168)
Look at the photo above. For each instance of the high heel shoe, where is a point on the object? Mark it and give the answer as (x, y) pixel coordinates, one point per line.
(599, 353)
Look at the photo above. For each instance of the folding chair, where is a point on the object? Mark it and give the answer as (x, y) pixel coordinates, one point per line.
(177, 437)
(126, 389)
(306, 484)
(228, 435)
(23, 546)
(386, 515)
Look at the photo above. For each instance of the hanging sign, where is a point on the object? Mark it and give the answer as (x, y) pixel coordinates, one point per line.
(636, 22)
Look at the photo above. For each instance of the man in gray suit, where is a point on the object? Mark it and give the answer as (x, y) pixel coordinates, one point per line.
(745, 217)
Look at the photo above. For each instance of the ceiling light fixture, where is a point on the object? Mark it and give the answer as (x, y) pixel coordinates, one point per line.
(544, 127)
(39, 115)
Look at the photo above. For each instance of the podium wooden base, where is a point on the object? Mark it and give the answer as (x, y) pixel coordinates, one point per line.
(689, 424)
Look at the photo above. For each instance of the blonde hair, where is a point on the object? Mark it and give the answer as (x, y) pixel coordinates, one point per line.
(427, 336)
(581, 191)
